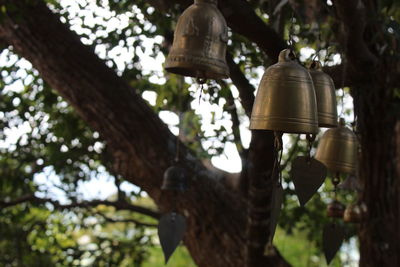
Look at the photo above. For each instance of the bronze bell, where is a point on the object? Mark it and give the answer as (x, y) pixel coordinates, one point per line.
(174, 179)
(285, 100)
(353, 214)
(200, 40)
(335, 209)
(326, 97)
(337, 149)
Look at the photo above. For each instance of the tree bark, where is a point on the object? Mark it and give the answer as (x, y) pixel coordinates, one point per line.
(380, 233)
(141, 145)
(374, 106)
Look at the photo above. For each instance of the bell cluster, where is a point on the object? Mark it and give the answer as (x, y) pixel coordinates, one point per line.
(290, 99)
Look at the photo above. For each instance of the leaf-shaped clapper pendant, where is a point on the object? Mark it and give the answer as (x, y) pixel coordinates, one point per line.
(308, 175)
(171, 229)
(277, 199)
(332, 239)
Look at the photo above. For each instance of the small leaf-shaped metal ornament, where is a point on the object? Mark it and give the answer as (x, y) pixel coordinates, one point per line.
(308, 175)
(277, 198)
(171, 229)
(332, 239)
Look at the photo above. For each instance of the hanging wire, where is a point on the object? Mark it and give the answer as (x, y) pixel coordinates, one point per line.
(291, 30)
(180, 113)
(319, 41)
(344, 70)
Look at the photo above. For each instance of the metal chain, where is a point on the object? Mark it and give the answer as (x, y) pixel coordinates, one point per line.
(278, 151)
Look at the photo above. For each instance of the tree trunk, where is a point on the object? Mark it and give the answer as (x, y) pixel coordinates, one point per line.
(374, 106)
(380, 233)
(141, 145)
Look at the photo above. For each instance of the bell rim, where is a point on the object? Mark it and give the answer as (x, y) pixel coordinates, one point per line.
(284, 125)
(208, 69)
(206, 1)
(326, 120)
(337, 166)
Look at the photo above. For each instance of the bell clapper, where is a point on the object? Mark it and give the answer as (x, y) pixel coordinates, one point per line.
(310, 141)
(335, 182)
(201, 82)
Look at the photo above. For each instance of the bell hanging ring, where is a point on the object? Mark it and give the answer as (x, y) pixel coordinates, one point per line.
(199, 45)
(337, 149)
(335, 209)
(174, 179)
(326, 97)
(285, 100)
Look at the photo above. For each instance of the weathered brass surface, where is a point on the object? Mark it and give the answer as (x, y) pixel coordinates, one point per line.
(200, 40)
(285, 100)
(174, 179)
(326, 98)
(335, 209)
(353, 214)
(337, 149)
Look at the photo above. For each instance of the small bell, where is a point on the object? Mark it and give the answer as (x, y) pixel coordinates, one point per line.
(326, 98)
(200, 40)
(337, 149)
(174, 179)
(285, 100)
(335, 209)
(353, 214)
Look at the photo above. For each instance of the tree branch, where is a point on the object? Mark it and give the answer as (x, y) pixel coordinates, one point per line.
(140, 143)
(134, 221)
(246, 90)
(352, 15)
(230, 107)
(119, 205)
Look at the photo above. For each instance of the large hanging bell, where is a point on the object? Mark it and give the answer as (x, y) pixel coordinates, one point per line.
(200, 40)
(285, 100)
(174, 179)
(326, 98)
(337, 149)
